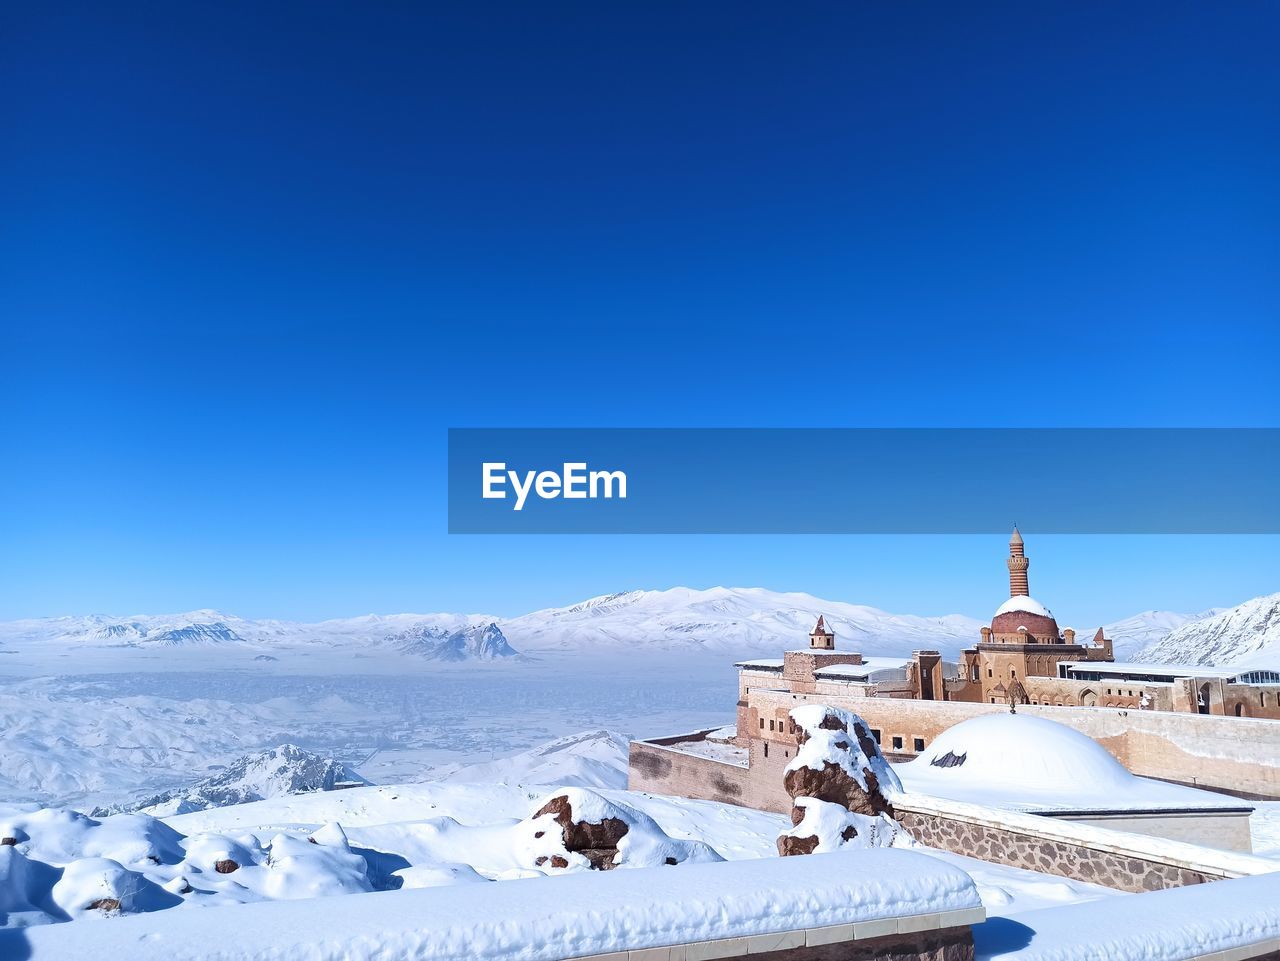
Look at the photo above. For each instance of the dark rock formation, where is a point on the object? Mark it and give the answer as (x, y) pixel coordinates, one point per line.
(833, 783)
(838, 780)
(598, 843)
(788, 845)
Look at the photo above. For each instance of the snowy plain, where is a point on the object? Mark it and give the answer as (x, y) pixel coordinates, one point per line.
(106, 737)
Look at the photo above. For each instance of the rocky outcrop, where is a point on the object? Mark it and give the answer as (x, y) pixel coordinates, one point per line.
(597, 842)
(576, 829)
(841, 786)
(287, 769)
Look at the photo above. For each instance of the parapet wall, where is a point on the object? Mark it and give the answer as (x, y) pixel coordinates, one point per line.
(658, 768)
(1082, 852)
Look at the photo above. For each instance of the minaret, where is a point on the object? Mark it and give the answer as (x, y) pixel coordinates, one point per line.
(1018, 564)
(821, 638)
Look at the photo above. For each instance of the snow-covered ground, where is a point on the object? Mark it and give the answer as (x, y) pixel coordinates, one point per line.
(60, 866)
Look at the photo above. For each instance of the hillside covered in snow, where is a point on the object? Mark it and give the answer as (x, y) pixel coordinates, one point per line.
(720, 619)
(731, 620)
(1247, 635)
(1132, 634)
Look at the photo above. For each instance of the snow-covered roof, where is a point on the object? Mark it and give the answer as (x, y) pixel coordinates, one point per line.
(1024, 762)
(761, 664)
(1025, 604)
(869, 666)
(1235, 918)
(1142, 669)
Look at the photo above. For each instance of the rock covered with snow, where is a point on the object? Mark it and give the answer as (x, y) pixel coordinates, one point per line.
(287, 769)
(824, 826)
(841, 785)
(577, 828)
(839, 761)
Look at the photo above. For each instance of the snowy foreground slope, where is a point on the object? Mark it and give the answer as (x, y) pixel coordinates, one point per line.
(376, 839)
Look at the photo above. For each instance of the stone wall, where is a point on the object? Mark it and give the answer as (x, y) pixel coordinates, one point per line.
(1239, 756)
(1126, 862)
(659, 769)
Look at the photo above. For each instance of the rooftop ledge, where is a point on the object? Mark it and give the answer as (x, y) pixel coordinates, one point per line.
(728, 909)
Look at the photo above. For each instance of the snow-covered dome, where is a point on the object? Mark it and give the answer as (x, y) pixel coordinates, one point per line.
(1020, 759)
(1021, 602)
(1025, 615)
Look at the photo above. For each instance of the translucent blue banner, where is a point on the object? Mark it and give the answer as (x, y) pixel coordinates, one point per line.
(813, 481)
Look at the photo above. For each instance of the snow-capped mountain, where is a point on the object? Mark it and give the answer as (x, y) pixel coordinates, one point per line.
(722, 620)
(731, 619)
(286, 769)
(478, 642)
(1247, 634)
(450, 637)
(1140, 631)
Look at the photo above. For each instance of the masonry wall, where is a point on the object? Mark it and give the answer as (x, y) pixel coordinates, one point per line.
(1238, 755)
(658, 769)
(1126, 862)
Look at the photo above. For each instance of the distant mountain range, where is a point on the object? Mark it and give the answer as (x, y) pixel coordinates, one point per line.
(438, 637)
(1134, 634)
(731, 621)
(1247, 635)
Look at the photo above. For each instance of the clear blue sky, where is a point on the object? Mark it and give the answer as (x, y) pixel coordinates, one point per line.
(254, 262)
